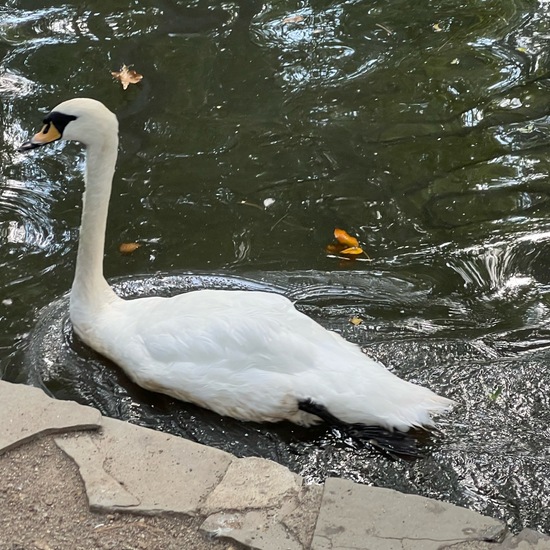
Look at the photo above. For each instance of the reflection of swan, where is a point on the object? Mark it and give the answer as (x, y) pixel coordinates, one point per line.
(246, 354)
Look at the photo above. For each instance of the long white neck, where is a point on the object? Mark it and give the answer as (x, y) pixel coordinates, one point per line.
(90, 291)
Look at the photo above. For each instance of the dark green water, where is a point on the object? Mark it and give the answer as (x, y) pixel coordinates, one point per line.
(258, 128)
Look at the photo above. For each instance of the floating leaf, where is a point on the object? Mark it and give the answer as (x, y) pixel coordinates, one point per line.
(127, 76)
(128, 248)
(344, 238)
(356, 321)
(437, 27)
(347, 246)
(352, 250)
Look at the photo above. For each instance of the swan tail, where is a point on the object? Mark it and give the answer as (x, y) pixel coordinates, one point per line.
(415, 410)
(376, 397)
(392, 443)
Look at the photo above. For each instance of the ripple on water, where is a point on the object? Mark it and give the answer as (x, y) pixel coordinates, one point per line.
(314, 47)
(26, 222)
(25, 27)
(15, 85)
(33, 244)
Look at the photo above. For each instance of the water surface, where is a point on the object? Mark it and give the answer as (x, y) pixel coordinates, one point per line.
(258, 128)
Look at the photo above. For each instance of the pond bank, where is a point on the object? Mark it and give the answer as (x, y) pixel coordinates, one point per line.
(175, 492)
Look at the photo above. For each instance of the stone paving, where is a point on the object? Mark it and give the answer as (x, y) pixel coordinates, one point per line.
(251, 501)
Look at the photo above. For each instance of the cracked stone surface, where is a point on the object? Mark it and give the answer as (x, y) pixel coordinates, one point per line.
(288, 525)
(127, 467)
(361, 517)
(253, 483)
(256, 529)
(250, 503)
(301, 521)
(28, 412)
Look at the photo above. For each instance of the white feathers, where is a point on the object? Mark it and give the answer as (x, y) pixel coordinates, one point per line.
(249, 355)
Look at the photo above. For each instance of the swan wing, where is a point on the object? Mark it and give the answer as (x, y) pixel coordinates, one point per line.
(253, 356)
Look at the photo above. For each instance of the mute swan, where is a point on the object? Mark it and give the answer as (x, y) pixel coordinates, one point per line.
(246, 354)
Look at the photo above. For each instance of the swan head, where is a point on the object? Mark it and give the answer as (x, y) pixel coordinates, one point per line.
(81, 119)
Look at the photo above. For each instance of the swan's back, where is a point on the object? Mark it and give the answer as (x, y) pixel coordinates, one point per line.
(253, 356)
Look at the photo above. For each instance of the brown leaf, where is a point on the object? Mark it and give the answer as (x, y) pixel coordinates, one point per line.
(344, 238)
(127, 76)
(128, 248)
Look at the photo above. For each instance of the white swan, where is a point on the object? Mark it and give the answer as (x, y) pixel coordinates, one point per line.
(245, 354)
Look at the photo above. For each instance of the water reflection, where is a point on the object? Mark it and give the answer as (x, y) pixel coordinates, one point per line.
(258, 128)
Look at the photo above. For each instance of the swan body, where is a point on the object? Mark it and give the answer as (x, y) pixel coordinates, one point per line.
(246, 354)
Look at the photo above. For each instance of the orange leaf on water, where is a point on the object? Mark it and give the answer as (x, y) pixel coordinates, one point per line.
(345, 238)
(347, 247)
(128, 248)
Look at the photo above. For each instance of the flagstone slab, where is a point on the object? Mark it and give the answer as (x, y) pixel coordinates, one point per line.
(27, 412)
(301, 521)
(254, 529)
(361, 517)
(253, 483)
(127, 467)
(250, 503)
(287, 523)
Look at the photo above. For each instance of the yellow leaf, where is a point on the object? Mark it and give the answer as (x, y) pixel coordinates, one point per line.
(127, 76)
(437, 27)
(353, 250)
(128, 248)
(344, 238)
(356, 321)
